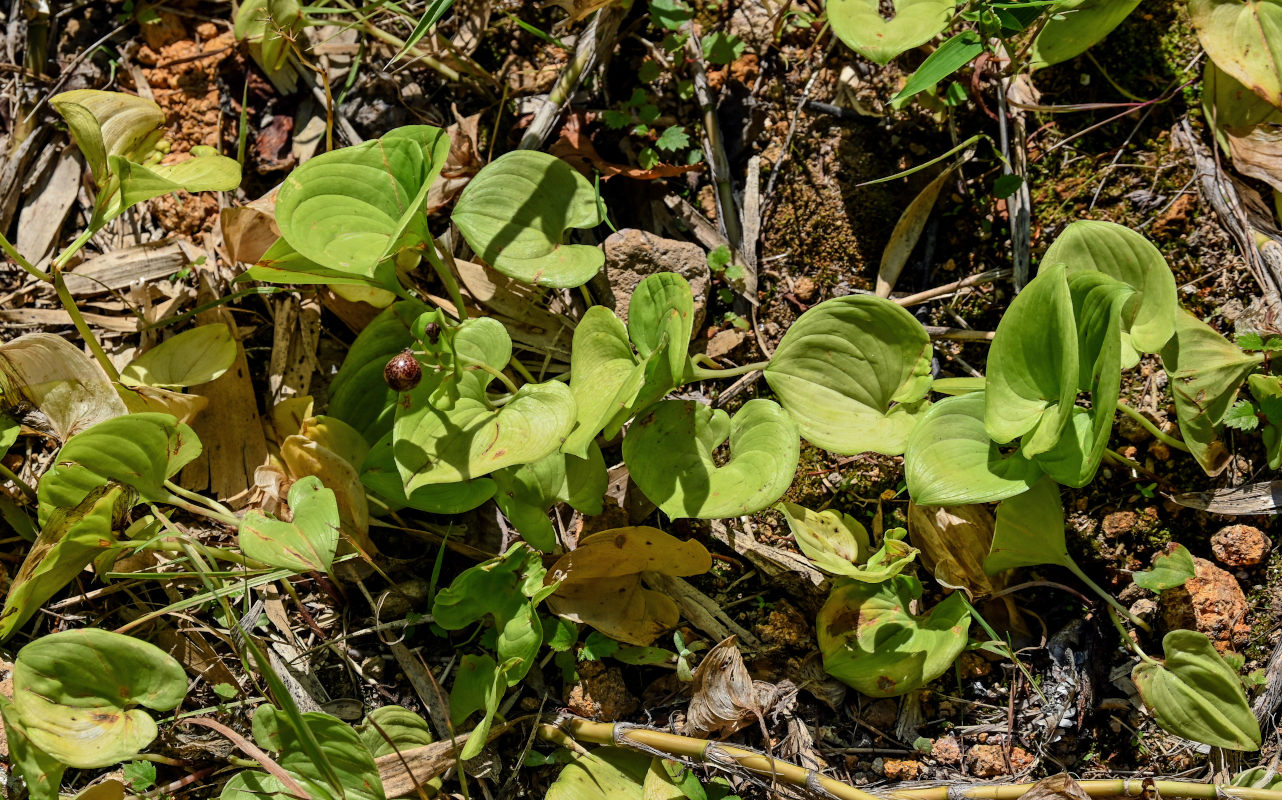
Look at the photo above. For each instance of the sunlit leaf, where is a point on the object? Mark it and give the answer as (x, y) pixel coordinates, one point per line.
(1029, 531)
(342, 747)
(352, 208)
(1194, 694)
(670, 454)
(951, 461)
(1205, 371)
(1170, 569)
(1075, 26)
(77, 693)
(1245, 40)
(358, 395)
(606, 773)
(70, 541)
(852, 372)
(863, 27)
(515, 213)
(605, 376)
(834, 541)
(526, 493)
(871, 642)
(196, 356)
(107, 124)
(41, 772)
(1033, 365)
(307, 543)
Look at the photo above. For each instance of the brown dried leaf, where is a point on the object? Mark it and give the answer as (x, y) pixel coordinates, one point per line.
(1056, 787)
(303, 457)
(148, 398)
(726, 698)
(954, 541)
(601, 581)
(906, 233)
(66, 386)
(463, 161)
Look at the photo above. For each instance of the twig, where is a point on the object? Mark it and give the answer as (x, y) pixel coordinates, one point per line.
(595, 40)
(958, 334)
(950, 288)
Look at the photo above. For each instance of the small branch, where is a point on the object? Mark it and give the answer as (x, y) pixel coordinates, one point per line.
(12, 252)
(949, 288)
(958, 334)
(82, 327)
(702, 374)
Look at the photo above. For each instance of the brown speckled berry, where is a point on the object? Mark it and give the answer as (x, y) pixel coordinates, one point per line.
(432, 331)
(403, 372)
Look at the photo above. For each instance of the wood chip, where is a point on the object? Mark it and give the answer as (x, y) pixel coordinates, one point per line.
(47, 205)
(115, 271)
(1257, 498)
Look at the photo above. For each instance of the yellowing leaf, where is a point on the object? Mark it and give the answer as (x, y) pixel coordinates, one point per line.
(600, 581)
(196, 356)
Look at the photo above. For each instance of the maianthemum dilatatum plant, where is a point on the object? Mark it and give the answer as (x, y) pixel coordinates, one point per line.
(431, 411)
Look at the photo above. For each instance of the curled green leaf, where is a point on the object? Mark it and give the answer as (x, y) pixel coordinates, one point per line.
(670, 454)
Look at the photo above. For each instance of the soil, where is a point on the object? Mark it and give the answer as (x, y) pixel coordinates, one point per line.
(821, 121)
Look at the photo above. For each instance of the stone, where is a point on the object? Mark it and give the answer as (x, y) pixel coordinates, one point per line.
(1211, 602)
(725, 342)
(880, 715)
(989, 761)
(1240, 546)
(600, 693)
(805, 289)
(901, 769)
(632, 255)
(946, 750)
(1119, 522)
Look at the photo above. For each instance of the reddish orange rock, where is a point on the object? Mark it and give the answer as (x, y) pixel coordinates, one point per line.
(989, 761)
(1210, 602)
(1240, 546)
(946, 750)
(901, 770)
(600, 693)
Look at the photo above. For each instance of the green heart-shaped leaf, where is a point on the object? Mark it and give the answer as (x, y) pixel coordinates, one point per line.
(516, 211)
(1171, 568)
(1033, 365)
(1205, 371)
(1076, 25)
(1123, 254)
(196, 356)
(478, 686)
(834, 541)
(281, 263)
(951, 461)
(69, 542)
(349, 209)
(106, 124)
(304, 545)
(393, 729)
(606, 773)
(526, 493)
(871, 642)
(861, 25)
(661, 315)
(342, 746)
(76, 694)
(1245, 40)
(358, 395)
(1029, 531)
(1098, 303)
(250, 784)
(446, 430)
(380, 475)
(41, 772)
(139, 450)
(842, 367)
(508, 588)
(669, 453)
(1196, 695)
(605, 376)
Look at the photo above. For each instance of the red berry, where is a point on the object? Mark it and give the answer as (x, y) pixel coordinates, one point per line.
(403, 372)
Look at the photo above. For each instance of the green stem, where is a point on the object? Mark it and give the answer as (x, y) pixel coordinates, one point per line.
(1153, 430)
(12, 252)
(82, 327)
(23, 486)
(698, 373)
(481, 365)
(74, 247)
(447, 277)
(1126, 637)
(1108, 598)
(207, 502)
